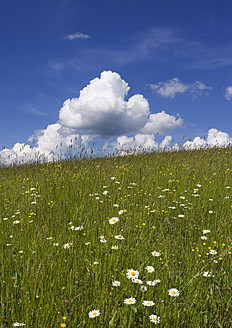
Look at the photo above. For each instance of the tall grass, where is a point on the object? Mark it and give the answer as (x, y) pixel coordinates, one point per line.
(53, 275)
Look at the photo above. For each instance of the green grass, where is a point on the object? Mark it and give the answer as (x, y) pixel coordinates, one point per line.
(51, 282)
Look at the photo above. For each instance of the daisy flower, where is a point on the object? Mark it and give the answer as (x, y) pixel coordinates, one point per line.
(120, 212)
(156, 253)
(130, 301)
(148, 303)
(119, 237)
(94, 313)
(173, 292)
(206, 231)
(150, 269)
(116, 283)
(203, 237)
(151, 283)
(132, 274)
(154, 318)
(207, 274)
(143, 288)
(113, 220)
(66, 245)
(213, 252)
(17, 324)
(102, 239)
(114, 247)
(137, 281)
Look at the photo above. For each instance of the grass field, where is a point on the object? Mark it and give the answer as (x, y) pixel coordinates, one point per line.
(92, 243)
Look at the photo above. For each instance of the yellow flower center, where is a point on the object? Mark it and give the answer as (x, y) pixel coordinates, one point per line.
(94, 313)
(129, 301)
(133, 273)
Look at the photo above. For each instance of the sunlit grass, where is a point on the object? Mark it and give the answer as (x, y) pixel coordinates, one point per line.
(61, 252)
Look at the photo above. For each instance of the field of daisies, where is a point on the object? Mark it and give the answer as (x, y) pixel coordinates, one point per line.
(120, 241)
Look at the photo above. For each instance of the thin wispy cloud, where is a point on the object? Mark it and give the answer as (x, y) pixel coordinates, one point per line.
(172, 87)
(77, 35)
(32, 110)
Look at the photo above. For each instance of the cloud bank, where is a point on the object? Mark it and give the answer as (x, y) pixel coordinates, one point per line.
(103, 110)
(172, 87)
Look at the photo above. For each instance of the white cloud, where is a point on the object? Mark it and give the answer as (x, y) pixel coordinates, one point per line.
(100, 110)
(135, 144)
(228, 94)
(215, 138)
(172, 87)
(77, 35)
(165, 144)
(161, 123)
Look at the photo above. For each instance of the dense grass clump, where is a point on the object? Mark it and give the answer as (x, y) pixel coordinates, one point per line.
(85, 243)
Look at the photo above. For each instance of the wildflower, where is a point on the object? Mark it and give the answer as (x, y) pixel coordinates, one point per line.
(137, 281)
(63, 324)
(113, 220)
(114, 247)
(206, 231)
(66, 245)
(116, 283)
(115, 205)
(156, 253)
(16, 222)
(130, 301)
(17, 324)
(102, 239)
(210, 212)
(88, 243)
(79, 228)
(207, 274)
(173, 292)
(94, 313)
(105, 192)
(148, 303)
(181, 216)
(151, 283)
(143, 288)
(215, 261)
(203, 237)
(120, 212)
(213, 252)
(154, 318)
(150, 269)
(119, 237)
(55, 244)
(95, 262)
(132, 274)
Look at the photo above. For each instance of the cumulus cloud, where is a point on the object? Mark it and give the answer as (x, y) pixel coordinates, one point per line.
(77, 35)
(161, 123)
(101, 110)
(228, 94)
(172, 87)
(215, 138)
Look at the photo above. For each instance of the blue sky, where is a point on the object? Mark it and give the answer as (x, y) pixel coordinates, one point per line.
(51, 50)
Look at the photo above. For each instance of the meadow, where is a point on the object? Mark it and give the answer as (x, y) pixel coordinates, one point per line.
(123, 241)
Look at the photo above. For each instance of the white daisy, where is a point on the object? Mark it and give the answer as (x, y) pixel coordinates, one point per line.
(119, 237)
(153, 318)
(150, 269)
(132, 274)
(114, 247)
(151, 283)
(116, 283)
(94, 313)
(148, 303)
(207, 274)
(130, 301)
(113, 220)
(156, 253)
(173, 292)
(143, 288)
(213, 252)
